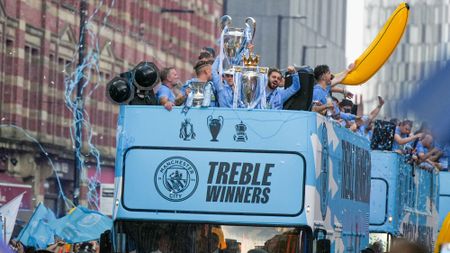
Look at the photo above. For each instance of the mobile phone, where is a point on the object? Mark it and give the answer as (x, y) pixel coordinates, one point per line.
(445, 248)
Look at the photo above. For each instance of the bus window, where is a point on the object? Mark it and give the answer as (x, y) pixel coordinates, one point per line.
(148, 237)
(322, 245)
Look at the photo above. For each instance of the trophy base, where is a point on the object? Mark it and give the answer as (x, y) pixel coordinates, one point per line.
(197, 102)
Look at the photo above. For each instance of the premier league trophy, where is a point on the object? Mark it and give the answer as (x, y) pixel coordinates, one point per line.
(234, 41)
(250, 83)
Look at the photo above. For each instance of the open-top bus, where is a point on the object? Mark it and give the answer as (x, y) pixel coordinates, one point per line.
(222, 180)
(403, 201)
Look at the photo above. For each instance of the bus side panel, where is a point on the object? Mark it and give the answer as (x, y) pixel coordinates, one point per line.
(418, 194)
(411, 202)
(384, 204)
(212, 145)
(342, 162)
(444, 196)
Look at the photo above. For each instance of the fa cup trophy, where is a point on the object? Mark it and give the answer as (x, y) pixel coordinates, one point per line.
(198, 93)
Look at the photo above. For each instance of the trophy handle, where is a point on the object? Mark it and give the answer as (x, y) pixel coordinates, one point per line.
(251, 24)
(221, 122)
(225, 21)
(208, 120)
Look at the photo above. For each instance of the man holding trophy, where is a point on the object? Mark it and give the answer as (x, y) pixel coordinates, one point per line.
(276, 97)
(236, 77)
(201, 94)
(224, 87)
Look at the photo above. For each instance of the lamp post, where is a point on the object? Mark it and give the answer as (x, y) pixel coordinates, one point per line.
(305, 47)
(279, 27)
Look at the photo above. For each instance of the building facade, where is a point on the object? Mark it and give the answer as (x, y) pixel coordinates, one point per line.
(291, 32)
(37, 51)
(423, 48)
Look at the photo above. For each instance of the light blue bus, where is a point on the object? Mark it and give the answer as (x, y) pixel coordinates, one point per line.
(444, 196)
(222, 180)
(404, 200)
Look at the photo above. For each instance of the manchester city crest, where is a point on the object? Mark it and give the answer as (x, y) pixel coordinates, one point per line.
(176, 179)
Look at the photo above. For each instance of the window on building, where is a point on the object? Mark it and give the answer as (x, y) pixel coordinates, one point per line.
(9, 59)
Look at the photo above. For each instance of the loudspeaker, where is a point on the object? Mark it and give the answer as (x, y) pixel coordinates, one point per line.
(303, 98)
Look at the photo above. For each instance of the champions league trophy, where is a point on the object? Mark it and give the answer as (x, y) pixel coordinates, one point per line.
(234, 41)
(214, 126)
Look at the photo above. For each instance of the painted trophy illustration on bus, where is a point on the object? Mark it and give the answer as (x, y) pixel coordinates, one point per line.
(214, 125)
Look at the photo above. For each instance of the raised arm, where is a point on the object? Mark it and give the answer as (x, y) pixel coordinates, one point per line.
(374, 113)
(216, 79)
(287, 93)
(339, 77)
(402, 141)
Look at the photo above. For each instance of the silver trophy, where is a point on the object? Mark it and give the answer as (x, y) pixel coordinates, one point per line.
(249, 86)
(198, 93)
(251, 81)
(234, 41)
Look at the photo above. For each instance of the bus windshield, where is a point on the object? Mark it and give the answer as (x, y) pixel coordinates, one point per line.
(208, 238)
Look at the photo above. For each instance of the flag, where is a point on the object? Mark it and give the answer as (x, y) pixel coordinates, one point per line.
(8, 212)
(42, 236)
(37, 233)
(4, 248)
(81, 225)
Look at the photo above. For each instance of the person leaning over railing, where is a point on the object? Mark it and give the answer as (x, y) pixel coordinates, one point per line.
(427, 154)
(168, 95)
(402, 137)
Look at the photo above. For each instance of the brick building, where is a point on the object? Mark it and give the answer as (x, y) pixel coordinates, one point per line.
(37, 47)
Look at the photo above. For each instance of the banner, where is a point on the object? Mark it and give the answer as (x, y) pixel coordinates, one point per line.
(9, 214)
(81, 225)
(37, 233)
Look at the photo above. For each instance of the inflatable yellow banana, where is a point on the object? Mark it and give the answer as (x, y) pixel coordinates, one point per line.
(381, 47)
(444, 234)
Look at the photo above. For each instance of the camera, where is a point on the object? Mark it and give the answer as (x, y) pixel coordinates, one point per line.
(134, 87)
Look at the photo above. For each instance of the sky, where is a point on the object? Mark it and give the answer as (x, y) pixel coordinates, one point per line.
(355, 29)
(355, 34)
